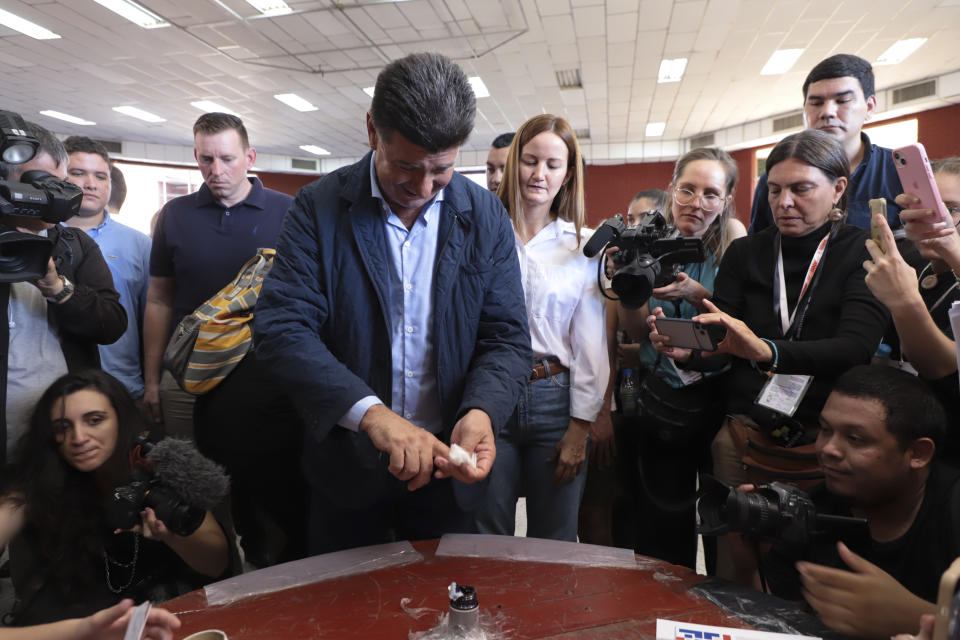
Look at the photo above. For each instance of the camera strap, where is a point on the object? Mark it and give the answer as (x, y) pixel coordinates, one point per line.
(792, 324)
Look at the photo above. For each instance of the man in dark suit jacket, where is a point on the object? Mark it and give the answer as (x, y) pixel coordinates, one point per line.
(394, 315)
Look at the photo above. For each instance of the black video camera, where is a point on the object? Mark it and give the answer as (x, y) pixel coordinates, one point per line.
(653, 253)
(24, 256)
(145, 490)
(777, 510)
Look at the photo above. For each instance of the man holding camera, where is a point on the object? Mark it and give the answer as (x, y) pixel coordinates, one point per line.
(55, 323)
(879, 431)
(394, 314)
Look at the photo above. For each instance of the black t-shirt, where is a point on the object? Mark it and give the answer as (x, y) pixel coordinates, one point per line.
(916, 560)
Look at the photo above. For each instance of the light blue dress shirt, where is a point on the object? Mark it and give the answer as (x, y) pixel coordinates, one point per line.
(412, 263)
(127, 253)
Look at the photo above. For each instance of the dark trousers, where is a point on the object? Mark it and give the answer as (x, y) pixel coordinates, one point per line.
(428, 512)
(249, 426)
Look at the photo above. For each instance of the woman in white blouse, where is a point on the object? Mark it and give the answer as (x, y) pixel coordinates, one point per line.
(542, 450)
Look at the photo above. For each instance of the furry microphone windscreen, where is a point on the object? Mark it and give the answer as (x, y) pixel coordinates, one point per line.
(197, 480)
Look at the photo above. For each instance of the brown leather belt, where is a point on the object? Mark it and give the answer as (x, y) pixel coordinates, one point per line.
(539, 372)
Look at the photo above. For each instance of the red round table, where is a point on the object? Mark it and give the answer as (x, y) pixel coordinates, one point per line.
(537, 588)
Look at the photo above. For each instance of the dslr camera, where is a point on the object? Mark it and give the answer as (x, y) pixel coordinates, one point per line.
(777, 510)
(144, 490)
(653, 253)
(24, 256)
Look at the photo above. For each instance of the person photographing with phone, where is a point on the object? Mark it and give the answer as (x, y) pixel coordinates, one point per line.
(797, 314)
(919, 302)
(678, 410)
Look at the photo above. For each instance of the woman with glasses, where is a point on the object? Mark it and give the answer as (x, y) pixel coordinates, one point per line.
(797, 314)
(677, 413)
(542, 450)
(919, 302)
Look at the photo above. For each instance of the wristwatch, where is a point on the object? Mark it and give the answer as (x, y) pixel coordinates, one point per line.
(64, 293)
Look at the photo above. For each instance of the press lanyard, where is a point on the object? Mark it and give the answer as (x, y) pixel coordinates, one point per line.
(780, 304)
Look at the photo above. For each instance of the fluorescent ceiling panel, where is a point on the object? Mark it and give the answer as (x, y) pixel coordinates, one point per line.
(135, 13)
(780, 61)
(25, 27)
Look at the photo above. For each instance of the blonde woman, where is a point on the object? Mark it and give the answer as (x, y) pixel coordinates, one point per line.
(542, 450)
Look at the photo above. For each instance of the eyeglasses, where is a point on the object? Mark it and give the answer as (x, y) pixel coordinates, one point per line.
(708, 201)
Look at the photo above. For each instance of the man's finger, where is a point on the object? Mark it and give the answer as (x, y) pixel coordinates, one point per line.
(855, 562)
(424, 470)
(396, 462)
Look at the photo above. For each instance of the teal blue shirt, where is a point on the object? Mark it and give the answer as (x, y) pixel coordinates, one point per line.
(703, 272)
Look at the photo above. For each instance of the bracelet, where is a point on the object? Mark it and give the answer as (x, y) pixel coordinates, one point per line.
(768, 371)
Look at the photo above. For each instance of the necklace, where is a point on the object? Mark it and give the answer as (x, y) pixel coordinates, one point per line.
(132, 565)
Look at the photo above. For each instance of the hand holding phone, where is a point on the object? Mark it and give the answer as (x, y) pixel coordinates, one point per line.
(688, 334)
(878, 206)
(947, 626)
(916, 176)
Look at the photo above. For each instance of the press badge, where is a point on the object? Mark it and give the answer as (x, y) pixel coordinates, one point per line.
(783, 393)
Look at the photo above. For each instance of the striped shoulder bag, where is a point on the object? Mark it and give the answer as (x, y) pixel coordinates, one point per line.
(211, 341)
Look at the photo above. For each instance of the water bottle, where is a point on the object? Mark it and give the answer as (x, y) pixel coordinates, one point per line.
(628, 393)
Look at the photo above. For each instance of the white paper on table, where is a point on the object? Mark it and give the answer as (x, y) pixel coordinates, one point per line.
(674, 630)
(138, 622)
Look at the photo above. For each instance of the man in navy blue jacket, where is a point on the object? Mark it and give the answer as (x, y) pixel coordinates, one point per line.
(394, 315)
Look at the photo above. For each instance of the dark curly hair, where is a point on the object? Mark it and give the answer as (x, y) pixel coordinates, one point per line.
(64, 506)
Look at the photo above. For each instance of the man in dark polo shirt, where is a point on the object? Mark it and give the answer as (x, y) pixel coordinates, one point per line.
(200, 242)
(838, 98)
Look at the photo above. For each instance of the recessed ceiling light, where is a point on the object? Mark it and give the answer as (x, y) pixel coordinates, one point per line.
(672, 70)
(314, 149)
(780, 61)
(26, 27)
(66, 117)
(479, 89)
(295, 101)
(270, 7)
(133, 112)
(135, 13)
(369, 91)
(655, 129)
(899, 51)
(208, 106)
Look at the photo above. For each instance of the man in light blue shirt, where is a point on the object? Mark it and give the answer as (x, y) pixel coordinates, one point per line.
(126, 251)
(394, 317)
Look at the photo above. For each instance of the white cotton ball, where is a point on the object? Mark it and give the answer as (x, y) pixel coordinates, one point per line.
(459, 456)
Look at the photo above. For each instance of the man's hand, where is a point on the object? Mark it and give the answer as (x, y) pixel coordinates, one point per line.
(927, 622)
(411, 448)
(602, 444)
(571, 451)
(151, 401)
(865, 602)
(474, 433)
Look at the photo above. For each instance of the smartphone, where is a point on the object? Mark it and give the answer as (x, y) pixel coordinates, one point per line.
(916, 176)
(877, 206)
(947, 626)
(691, 335)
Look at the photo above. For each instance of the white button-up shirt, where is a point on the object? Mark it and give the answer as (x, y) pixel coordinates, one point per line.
(566, 312)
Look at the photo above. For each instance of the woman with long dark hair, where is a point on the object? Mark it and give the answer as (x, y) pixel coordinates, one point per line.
(797, 314)
(65, 559)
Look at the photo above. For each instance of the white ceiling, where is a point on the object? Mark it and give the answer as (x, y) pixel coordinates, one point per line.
(327, 51)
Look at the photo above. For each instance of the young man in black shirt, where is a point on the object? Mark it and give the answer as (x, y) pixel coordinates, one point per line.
(879, 431)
